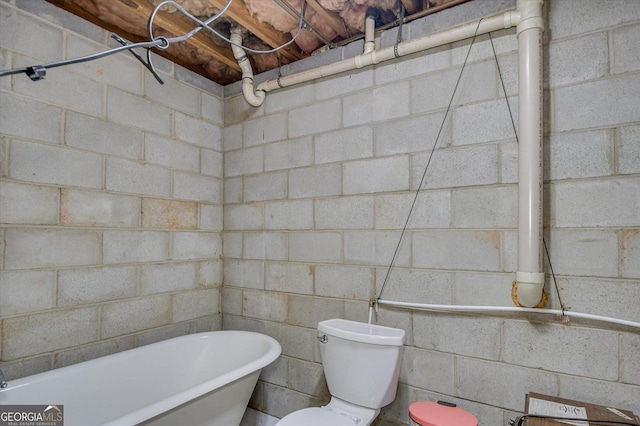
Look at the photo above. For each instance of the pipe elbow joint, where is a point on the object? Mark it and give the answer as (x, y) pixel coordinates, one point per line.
(530, 286)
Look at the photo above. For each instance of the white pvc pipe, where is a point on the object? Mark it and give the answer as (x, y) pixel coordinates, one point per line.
(480, 26)
(530, 273)
(511, 309)
(369, 34)
(253, 98)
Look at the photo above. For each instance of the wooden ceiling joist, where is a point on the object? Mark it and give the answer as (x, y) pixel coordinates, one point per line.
(335, 22)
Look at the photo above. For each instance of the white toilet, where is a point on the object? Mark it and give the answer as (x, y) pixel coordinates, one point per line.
(361, 363)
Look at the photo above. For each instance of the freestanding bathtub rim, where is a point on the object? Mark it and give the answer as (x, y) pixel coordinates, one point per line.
(272, 352)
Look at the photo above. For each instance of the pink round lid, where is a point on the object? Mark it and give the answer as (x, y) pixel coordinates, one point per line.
(429, 413)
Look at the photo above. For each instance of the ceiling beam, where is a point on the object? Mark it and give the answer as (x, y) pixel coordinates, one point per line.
(265, 32)
(335, 22)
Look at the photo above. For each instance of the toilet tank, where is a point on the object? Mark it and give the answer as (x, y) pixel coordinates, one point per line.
(361, 361)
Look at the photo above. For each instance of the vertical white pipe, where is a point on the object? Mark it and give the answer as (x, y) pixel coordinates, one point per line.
(253, 98)
(530, 274)
(369, 33)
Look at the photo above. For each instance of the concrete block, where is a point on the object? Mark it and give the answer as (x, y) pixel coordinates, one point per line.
(244, 217)
(24, 367)
(315, 181)
(189, 186)
(357, 109)
(608, 203)
(477, 83)
(630, 354)
(307, 311)
(457, 250)
(135, 246)
(136, 111)
(41, 248)
(266, 186)
(342, 145)
(196, 245)
(343, 84)
(308, 378)
(345, 282)
(28, 204)
(92, 351)
(576, 351)
(275, 373)
(265, 245)
(237, 110)
(578, 59)
(163, 333)
(28, 335)
(16, 116)
(264, 130)
(578, 155)
(289, 277)
(315, 246)
(415, 285)
(377, 248)
(169, 214)
(290, 215)
(26, 291)
(199, 132)
(378, 175)
(482, 289)
(475, 336)
(391, 101)
(212, 108)
(629, 150)
(344, 213)
(617, 103)
(94, 285)
(264, 305)
(584, 252)
(32, 162)
(232, 244)
(231, 302)
(413, 65)
(432, 209)
(305, 120)
(610, 394)
(504, 41)
(87, 208)
(411, 134)
(62, 88)
(133, 177)
(232, 137)
(208, 323)
(279, 402)
(450, 168)
(135, 315)
(232, 190)
(428, 370)
(564, 21)
(209, 273)
(176, 95)
(469, 122)
(630, 246)
(44, 43)
(210, 218)
(288, 154)
(111, 74)
(97, 135)
(475, 376)
(508, 157)
(171, 153)
(237, 163)
(289, 98)
(625, 48)
(244, 273)
(211, 163)
(299, 342)
(195, 304)
(494, 207)
(167, 277)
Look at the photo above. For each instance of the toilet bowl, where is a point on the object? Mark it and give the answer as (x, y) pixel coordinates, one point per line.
(361, 363)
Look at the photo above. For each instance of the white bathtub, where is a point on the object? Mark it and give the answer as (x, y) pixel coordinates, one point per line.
(198, 379)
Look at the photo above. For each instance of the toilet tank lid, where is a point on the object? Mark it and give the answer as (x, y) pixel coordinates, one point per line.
(362, 332)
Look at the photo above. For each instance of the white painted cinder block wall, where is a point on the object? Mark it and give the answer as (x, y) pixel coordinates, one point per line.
(319, 180)
(110, 197)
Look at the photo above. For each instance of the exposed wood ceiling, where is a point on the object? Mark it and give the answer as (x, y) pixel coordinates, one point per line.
(269, 24)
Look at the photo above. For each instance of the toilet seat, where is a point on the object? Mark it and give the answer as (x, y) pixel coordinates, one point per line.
(316, 417)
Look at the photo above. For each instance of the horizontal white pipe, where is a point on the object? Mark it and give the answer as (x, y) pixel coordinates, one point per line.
(513, 309)
(480, 26)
